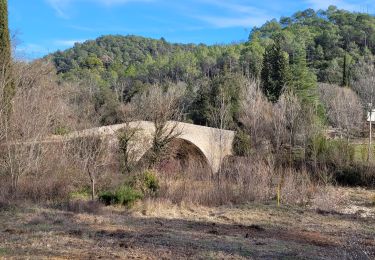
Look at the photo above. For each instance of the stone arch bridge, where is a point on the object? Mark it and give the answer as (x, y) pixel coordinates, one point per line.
(212, 144)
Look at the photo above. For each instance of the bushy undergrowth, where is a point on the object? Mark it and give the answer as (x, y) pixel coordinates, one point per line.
(255, 177)
(355, 175)
(83, 194)
(123, 195)
(336, 160)
(135, 188)
(241, 180)
(335, 152)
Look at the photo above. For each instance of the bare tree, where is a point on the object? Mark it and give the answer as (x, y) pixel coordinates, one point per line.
(293, 114)
(160, 106)
(127, 136)
(286, 121)
(343, 107)
(35, 108)
(220, 117)
(256, 113)
(91, 153)
(279, 131)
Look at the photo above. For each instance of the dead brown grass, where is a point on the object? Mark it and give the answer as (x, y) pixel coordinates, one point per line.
(241, 180)
(157, 228)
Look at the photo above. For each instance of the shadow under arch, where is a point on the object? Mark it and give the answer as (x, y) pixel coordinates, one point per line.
(182, 156)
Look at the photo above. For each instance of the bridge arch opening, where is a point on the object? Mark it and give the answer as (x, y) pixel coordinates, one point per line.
(183, 157)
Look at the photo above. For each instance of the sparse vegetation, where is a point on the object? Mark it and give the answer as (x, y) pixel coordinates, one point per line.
(300, 161)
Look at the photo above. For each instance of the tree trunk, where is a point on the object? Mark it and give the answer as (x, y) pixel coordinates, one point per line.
(92, 189)
(369, 140)
(92, 180)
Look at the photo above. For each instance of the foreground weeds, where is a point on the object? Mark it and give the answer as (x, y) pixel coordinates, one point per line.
(240, 180)
(157, 228)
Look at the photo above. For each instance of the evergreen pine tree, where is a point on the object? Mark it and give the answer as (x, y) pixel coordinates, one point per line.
(302, 81)
(275, 71)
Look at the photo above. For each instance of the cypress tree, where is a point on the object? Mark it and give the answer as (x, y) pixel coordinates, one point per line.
(346, 70)
(275, 71)
(5, 53)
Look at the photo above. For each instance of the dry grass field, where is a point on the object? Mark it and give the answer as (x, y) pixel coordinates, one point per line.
(162, 230)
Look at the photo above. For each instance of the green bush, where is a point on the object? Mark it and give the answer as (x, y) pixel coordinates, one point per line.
(340, 152)
(107, 198)
(356, 175)
(318, 148)
(61, 130)
(341, 160)
(124, 195)
(333, 152)
(350, 176)
(146, 182)
(151, 182)
(84, 193)
(132, 190)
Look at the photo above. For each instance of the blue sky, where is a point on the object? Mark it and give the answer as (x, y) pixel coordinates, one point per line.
(44, 26)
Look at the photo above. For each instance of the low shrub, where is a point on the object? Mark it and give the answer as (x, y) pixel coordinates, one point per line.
(44, 188)
(151, 181)
(348, 176)
(6, 204)
(137, 187)
(61, 130)
(107, 197)
(334, 152)
(127, 195)
(84, 194)
(124, 195)
(355, 175)
(340, 162)
(146, 182)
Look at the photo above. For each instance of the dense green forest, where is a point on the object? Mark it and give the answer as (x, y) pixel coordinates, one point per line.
(297, 52)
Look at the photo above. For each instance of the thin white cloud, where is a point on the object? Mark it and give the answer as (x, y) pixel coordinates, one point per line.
(29, 51)
(237, 7)
(67, 43)
(31, 47)
(235, 14)
(116, 2)
(226, 22)
(61, 6)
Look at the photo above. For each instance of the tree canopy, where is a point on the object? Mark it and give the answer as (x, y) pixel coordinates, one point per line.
(292, 53)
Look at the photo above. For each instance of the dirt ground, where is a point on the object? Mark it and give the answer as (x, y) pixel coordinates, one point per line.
(162, 230)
